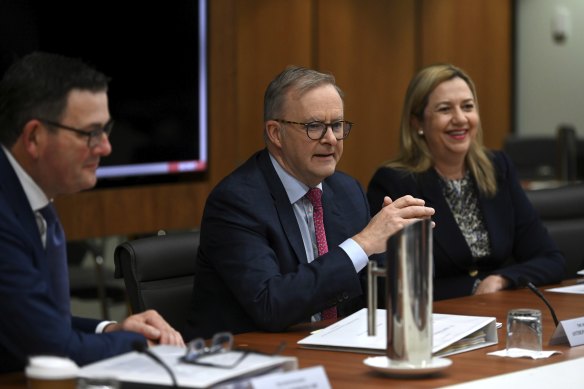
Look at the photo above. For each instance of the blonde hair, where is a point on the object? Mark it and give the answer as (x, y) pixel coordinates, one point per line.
(414, 154)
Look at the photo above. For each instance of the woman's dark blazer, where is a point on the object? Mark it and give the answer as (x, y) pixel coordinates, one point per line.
(520, 244)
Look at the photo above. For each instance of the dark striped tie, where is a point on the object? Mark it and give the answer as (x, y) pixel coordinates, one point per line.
(56, 253)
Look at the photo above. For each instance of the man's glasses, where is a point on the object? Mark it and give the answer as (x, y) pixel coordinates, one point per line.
(220, 353)
(317, 130)
(94, 137)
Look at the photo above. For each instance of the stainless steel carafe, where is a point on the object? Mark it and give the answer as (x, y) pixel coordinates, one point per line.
(408, 293)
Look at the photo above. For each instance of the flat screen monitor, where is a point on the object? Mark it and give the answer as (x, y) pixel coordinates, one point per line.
(156, 56)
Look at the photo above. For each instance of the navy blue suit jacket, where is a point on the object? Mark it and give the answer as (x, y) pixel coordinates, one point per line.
(520, 244)
(251, 270)
(30, 322)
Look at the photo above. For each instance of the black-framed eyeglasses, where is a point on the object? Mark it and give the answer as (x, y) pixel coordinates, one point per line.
(94, 137)
(317, 130)
(220, 353)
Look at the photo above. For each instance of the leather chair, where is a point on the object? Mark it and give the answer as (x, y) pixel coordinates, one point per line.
(159, 272)
(534, 157)
(562, 212)
(543, 157)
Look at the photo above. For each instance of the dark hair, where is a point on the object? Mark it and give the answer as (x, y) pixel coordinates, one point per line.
(38, 85)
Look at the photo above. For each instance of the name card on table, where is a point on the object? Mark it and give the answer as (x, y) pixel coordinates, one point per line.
(569, 331)
(312, 377)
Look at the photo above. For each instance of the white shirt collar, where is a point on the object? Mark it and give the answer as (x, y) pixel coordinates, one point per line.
(35, 195)
(294, 188)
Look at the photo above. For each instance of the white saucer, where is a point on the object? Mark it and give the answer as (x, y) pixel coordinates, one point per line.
(398, 368)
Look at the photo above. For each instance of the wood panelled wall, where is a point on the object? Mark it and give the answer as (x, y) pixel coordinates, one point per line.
(373, 47)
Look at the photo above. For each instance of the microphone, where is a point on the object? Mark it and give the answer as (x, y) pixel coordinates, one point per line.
(523, 281)
(142, 348)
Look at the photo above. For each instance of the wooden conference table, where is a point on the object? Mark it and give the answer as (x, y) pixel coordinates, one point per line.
(346, 370)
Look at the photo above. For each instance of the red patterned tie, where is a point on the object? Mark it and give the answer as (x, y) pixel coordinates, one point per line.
(314, 195)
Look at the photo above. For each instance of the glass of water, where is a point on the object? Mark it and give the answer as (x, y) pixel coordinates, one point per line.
(524, 329)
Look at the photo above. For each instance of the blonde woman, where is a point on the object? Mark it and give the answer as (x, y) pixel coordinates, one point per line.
(488, 237)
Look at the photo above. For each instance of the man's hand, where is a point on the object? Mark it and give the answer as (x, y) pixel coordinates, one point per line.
(152, 326)
(394, 216)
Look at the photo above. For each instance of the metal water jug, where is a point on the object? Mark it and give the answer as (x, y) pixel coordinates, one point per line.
(408, 293)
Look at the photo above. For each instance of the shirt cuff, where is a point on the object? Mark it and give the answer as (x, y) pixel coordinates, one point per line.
(101, 326)
(355, 253)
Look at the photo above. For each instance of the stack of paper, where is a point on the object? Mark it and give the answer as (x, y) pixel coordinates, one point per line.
(139, 368)
(452, 334)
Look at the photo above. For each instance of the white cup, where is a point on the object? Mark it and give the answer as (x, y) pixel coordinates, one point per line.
(50, 372)
(524, 329)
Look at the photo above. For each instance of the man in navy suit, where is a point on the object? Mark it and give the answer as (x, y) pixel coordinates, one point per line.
(54, 127)
(260, 264)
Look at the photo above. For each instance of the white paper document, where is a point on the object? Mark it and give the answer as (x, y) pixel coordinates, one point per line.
(310, 377)
(452, 334)
(565, 374)
(139, 368)
(573, 289)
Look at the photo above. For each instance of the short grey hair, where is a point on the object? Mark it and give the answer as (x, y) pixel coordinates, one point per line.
(301, 80)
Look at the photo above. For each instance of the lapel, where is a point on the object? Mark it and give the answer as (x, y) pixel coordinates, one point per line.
(334, 226)
(283, 207)
(18, 204)
(447, 236)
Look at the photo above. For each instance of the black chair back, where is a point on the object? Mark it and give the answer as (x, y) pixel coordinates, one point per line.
(158, 272)
(562, 212)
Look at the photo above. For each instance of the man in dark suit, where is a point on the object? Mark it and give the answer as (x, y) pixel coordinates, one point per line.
(54, 127)
(262, 264)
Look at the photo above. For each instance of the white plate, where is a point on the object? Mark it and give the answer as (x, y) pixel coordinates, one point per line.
(398, 368)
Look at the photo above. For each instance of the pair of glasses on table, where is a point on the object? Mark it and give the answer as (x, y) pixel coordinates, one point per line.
(220, 353)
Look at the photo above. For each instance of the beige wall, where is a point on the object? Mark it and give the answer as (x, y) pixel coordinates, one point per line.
(549, 84)
(373, 47)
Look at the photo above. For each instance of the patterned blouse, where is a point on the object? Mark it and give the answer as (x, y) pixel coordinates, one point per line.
(461, 195)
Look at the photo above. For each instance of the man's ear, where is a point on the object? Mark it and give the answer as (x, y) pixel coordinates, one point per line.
(33, 136)
(274, 132)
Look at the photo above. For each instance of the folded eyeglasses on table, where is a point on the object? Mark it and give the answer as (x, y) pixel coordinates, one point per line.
(220, 353)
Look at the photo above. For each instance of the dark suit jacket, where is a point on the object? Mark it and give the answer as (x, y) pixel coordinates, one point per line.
(30, 322)
(251, 270)
(520, 245)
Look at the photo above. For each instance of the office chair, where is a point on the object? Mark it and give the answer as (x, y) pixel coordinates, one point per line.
(547, 157)
(158, 272)
(534, 157)
(562, 212)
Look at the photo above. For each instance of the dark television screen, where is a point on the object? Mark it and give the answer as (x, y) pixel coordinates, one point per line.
(155, 53)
